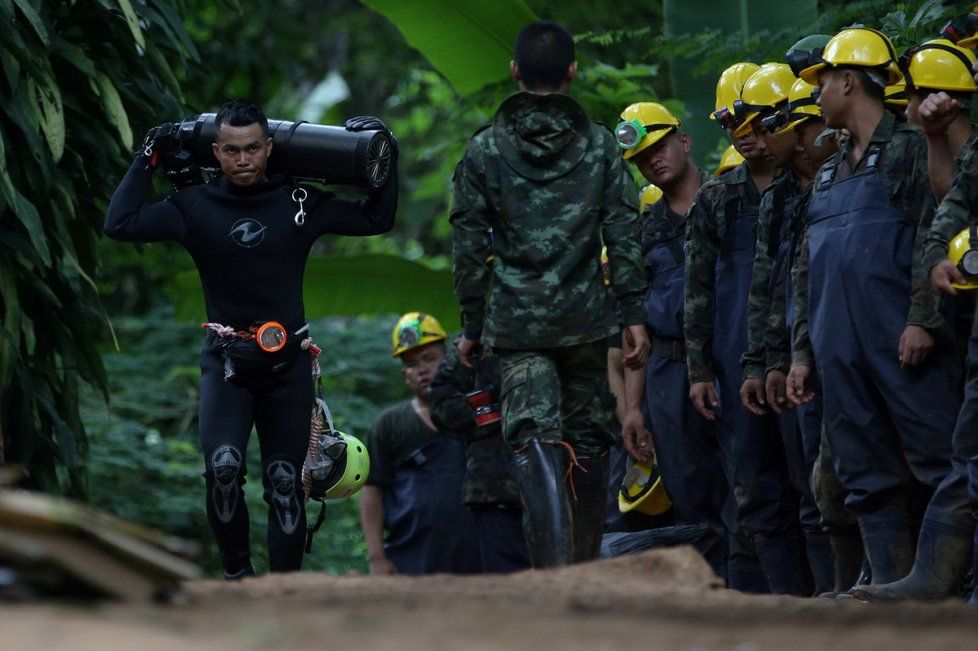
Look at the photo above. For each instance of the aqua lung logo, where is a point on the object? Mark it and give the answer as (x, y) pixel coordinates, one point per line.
(247, 233)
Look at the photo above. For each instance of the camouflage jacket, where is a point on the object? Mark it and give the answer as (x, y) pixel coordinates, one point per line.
(490, 470)
(705, 231)
(771, 219)
(959, 209)
(552, 185)
(902, 166)
(777, 339)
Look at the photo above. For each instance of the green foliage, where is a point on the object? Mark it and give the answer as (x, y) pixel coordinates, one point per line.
(79, 79)
(146, 463)
(468, 41)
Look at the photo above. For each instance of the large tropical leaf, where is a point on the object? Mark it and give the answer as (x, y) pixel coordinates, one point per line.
(352, 285)
(468, 41)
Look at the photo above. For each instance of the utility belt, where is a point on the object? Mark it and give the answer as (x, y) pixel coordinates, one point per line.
(668, 347)
(262, 350)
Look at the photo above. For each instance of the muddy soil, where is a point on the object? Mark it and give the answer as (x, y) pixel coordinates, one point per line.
(663, 599)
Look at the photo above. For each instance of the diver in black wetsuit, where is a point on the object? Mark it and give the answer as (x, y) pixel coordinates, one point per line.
(242, 233)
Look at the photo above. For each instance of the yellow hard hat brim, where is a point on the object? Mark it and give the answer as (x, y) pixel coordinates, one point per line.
(647, 142)
(791, 125)
(971, 284)
(810, 75)
(653, 502)
(969, 42)
(745, 127)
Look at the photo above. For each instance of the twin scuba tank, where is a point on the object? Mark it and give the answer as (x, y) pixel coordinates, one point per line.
(301, 151)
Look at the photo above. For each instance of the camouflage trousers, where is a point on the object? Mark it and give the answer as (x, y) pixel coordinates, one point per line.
(558, 394)
(830, 496)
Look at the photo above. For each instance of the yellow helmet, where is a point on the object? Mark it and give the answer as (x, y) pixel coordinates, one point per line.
(963, 252)
(416, 329)
(963, 30)
(731, 158)
(729, 85)
(648, 197)
(642, 489)
(939, 65)
(857, 47)
(801, 105)
(765, 89)
(895, 95)
(642, 125)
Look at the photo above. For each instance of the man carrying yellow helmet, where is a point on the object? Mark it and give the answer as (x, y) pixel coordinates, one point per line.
(719, 256)
(878, 332)
(685, 443)
(414, 488)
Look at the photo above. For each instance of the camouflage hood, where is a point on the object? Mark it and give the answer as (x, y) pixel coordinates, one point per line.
(542, 137)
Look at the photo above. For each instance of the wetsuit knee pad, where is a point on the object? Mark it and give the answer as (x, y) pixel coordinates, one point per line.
(224, 476)
(283, 492)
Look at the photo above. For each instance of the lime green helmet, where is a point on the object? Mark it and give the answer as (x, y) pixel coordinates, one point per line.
(336, 465)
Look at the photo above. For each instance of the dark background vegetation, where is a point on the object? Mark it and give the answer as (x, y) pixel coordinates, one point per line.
(98, 379)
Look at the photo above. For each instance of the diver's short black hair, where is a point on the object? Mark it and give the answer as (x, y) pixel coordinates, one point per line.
(241, 113)
(544, 51)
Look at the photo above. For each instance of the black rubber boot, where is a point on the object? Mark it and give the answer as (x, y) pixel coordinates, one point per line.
(848, 557)
(943, 552)
(781, 559)
(889, 546)
(974, 572)
(818, 547)
(547, 523)
(589, 504)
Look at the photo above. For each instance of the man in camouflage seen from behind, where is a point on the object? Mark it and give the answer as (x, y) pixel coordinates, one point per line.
(551, 184)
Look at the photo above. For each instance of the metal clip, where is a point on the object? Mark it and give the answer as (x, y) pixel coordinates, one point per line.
(299, 195)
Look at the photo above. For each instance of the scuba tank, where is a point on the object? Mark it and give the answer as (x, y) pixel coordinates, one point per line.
(302, 151)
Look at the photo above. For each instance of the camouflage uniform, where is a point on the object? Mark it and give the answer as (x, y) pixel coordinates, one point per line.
(490, 490)
(551, 185)
(719, 256)
(959, 207)
(762, 307)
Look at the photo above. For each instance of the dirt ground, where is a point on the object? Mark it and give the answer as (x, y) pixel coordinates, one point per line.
(664, 599)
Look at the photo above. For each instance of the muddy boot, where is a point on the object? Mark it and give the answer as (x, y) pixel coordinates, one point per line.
(781, 559)
(942, 557)
(540, 470)
(889, 545)
(848, 557)
(819, 550)
(589, 503)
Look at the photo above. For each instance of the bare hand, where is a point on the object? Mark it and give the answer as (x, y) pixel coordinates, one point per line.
(937, 112)
(945, 273)
(704, 397)
(467, 349)
(915, 344)
(752, 396)
(635, 438)
(635, 346)
(381, 567)
(799, 385)
(776, 387)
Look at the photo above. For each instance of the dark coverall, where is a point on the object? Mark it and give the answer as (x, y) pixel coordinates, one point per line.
(720, 256)
(865, 285)
(687, 452)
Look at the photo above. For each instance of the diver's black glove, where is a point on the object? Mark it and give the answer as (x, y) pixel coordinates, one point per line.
(371, 123)
(163, 139)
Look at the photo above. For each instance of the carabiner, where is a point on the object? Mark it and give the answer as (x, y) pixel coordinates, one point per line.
(299, 195)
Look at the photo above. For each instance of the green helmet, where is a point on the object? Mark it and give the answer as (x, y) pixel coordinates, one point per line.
(336, 464)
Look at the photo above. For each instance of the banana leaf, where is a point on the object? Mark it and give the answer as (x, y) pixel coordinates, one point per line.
(470, 42)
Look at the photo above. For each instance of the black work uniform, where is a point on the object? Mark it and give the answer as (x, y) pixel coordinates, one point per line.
(251, 256)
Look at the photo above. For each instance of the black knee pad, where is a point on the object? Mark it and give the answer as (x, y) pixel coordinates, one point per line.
(283, 492)
(224, 476)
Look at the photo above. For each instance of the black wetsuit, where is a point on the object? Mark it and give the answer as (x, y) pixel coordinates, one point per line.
(251, 256)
